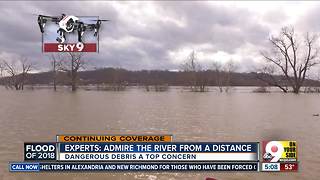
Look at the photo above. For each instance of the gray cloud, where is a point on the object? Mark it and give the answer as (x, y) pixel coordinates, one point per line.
(142, 37)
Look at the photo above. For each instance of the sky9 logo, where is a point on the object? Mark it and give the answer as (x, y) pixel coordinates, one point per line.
(273, 151)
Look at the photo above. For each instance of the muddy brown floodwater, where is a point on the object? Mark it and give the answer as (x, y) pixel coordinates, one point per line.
(39, 115)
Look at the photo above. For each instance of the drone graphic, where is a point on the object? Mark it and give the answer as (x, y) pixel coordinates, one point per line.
(69, 24)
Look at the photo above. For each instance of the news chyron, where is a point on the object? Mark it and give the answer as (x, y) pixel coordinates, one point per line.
(127, 153)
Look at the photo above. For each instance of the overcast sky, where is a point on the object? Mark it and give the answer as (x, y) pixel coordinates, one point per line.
(160, 35)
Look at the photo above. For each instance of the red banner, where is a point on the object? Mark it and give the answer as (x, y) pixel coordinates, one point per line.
(71, 47)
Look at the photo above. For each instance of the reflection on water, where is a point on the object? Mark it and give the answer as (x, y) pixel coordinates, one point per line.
(238, 116)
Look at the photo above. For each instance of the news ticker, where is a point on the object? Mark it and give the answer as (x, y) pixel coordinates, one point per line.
(94, 166)
(153, 153)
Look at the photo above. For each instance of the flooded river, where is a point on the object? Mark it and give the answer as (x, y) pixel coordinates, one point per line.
(237, 116)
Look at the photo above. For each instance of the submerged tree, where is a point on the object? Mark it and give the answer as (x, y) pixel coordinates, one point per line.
(229, 68)
(1, 69)
(17, 72)
(218, 72)
(223, 74)
(56, 60)
(196, 76)
(72, 64)
(291, 57)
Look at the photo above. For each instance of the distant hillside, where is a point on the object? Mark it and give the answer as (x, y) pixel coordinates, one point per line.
(111, 76)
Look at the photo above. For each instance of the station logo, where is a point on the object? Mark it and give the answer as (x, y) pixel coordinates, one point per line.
(68, 33)
(279, 151)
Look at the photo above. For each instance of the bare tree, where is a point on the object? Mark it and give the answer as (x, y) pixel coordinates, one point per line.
(196, 75)
(229, 68)
(217, 67)
(267, 75)
(17, 73)
(72, 65)
(292, 56)
(1, 69)
(56, 61)
(54, 70)
(223, 74)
